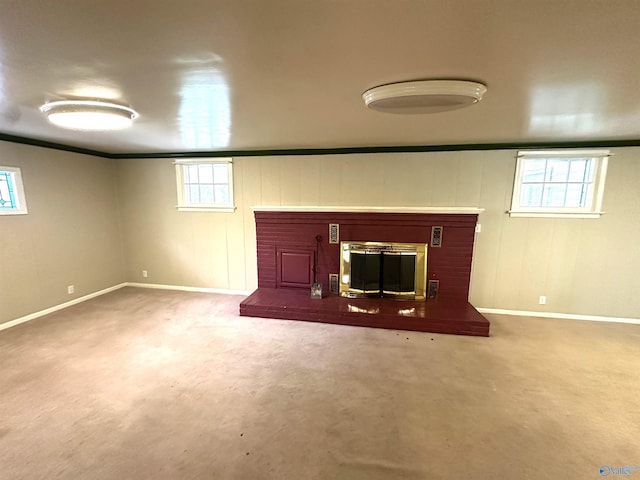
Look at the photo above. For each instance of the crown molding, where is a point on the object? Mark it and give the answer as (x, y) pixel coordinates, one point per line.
(35, 142)
(324, 151)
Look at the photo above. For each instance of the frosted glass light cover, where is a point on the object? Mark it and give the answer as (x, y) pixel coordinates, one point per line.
(425, 96)
(88, 115)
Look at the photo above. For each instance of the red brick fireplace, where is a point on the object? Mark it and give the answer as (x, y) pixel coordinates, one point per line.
(292, 244)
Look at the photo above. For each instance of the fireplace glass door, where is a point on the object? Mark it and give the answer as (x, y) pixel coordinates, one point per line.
(383, 269)
(365, 272)
(398, 273)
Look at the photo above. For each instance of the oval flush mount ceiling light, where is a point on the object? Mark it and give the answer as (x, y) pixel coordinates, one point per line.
(92, 115)
(424, 96)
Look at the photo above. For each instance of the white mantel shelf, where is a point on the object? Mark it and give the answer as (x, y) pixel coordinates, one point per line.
(339, 208)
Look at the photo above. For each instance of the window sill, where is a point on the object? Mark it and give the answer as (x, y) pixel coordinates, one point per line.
(519, 214)
(13, 212)
(207, 209)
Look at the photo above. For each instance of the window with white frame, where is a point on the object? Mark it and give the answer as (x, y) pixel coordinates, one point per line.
(205, 184)
(12, 199)
(559, 183)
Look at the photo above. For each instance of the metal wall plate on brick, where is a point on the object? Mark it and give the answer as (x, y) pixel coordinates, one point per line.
(432, 289)
(334, 233)
(436, 237)
(334, 283)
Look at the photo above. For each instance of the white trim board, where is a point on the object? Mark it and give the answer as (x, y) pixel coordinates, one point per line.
(75, 301)
(497, 311)
(55, 308)
(358, 209)
(567, 316)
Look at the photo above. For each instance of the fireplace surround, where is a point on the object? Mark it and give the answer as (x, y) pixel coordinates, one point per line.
(289, 258)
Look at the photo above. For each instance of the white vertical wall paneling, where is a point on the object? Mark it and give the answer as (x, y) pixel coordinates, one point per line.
(495, 186)
(584, 267)
(538, 238)
(595, 260)
(397, 182)
(290, 180)
(270, 181)
(359, 181)
(561, 266)
(330, 179)
(469, 179)
(309, 181)
(251, 186)
(235, 229)
(509, 265)
(443, 178)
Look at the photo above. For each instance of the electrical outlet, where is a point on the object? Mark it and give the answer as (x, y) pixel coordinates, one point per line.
(478, 228)
(71, 289)
(145, 274)
(542, 300)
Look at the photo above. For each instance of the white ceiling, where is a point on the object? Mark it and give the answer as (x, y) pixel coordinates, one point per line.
(209, 75)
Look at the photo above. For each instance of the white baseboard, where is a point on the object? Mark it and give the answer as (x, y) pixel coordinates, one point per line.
(568, 316)
(223, 291)
(31, 316)
(46, 311)
(497, 311)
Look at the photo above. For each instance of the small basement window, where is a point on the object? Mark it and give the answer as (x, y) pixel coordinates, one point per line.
(559, 183)
(205, 185)
(12, 199)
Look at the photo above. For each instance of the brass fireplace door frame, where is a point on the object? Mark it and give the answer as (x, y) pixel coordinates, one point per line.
(419, 249)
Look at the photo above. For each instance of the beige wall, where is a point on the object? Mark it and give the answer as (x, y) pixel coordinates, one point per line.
(583, 266)
(95, 223)
(178, 248)
(71, 235)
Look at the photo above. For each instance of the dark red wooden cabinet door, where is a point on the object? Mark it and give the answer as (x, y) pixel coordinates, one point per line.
(295, 268)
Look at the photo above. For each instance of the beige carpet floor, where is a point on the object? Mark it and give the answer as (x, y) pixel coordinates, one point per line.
(147, 384)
